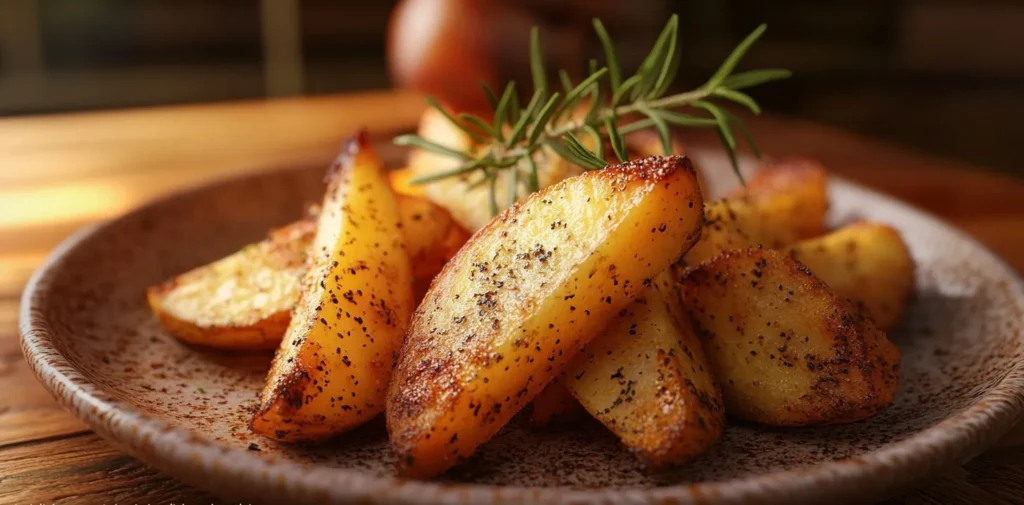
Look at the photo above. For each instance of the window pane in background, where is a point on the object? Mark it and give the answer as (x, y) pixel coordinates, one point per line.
(102, 34)
(344, 44)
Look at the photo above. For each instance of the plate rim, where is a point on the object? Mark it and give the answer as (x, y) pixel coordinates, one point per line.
(206, 464)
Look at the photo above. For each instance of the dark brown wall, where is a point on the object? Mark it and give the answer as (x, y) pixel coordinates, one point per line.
(944, 76)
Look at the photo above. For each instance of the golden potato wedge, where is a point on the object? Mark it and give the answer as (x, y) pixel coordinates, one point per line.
(554, 406)
(332, 369)
(786, 350)
(524, 295)
(242, 301)
(867, 263)
(782, 203)
(647, 380)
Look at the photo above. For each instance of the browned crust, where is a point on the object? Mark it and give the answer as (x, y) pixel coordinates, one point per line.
(694, 434)
(856, 342)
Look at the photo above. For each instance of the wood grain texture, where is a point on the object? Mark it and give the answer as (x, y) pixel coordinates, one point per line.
(85, 469)
(58, 173)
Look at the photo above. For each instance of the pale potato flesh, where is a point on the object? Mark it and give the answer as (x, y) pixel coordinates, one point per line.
(787, 351)
(245, 300)
(332, 369)
(557, 405)
(242, 301)
(646, 379)
(865, 262)
(524, 295)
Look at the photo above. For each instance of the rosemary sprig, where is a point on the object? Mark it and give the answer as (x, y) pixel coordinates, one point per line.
(515, 137)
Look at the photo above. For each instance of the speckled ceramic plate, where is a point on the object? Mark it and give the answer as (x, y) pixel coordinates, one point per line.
(91, 340)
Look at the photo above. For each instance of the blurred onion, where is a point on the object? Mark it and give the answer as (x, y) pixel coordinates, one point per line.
(440, 48)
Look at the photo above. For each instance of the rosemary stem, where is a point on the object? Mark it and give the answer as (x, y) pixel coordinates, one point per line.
(547, 136)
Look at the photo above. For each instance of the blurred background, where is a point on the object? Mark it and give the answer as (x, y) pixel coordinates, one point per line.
(940, 75)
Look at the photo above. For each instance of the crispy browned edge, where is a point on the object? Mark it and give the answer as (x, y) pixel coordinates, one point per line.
(292, 385)
(696, 433)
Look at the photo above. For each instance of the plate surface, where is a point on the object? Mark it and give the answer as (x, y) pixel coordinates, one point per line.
(90, 338)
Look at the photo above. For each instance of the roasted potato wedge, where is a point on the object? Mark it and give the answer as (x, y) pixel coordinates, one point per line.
(524, 295)
(554, 406)
(646, 379)
(786, 350)
(244, 301)
(865, 262)
(332, 369)
(782, 203)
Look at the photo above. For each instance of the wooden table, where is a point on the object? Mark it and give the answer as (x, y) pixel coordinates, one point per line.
(60, 172)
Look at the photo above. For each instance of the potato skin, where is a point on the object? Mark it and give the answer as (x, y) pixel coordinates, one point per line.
(332, 369)
(647, 380)
(242, 301)
(785, 349)
(524, 295)
(865, 262)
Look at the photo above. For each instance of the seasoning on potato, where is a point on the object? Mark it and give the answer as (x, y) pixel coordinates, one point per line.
(524, 295)
(865, 262)
(785, 349)
(645, 377)
(332, 370)
(245, 300)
